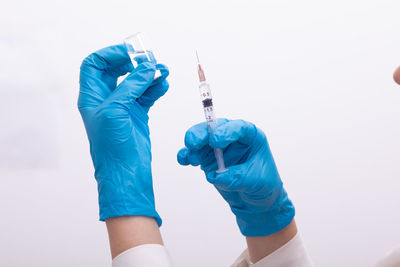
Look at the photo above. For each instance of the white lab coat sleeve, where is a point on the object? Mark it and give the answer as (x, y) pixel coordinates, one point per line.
(391, 259)
(292, 254)
(149, 255)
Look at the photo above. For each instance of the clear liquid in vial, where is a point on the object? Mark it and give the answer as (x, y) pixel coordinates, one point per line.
(140, 56)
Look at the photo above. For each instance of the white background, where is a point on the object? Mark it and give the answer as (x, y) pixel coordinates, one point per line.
(315, 75)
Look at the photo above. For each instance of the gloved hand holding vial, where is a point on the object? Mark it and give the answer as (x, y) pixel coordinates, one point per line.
(116, 121)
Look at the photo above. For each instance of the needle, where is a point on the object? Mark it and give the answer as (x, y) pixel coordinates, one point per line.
(198, 60)
(200, 71)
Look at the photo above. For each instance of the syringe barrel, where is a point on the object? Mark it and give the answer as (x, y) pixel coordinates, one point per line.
(206, 99)
(205, 90)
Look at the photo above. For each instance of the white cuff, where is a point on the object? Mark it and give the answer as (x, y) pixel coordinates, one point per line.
(391, 259)
(292, 254)
(149, 255)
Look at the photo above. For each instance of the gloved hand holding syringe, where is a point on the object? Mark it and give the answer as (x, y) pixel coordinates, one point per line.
(206, 98)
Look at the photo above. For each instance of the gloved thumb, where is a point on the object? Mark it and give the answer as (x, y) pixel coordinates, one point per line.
(134, 85)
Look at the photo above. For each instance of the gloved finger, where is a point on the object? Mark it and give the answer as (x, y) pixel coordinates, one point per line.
(99, 74)
(111, 59)
(198, 135)
(195, 157)
(236, 153)
(164, 74)
(92, 92)
(233, 131)
(182, 156)
(210, 166)
(231, 179)
(157, 89)
(137, 82)
(152, 94)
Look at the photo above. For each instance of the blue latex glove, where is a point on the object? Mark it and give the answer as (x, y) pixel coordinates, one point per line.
(115, 119)
(251, 185)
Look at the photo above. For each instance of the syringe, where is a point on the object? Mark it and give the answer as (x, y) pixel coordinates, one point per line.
(206, 98)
